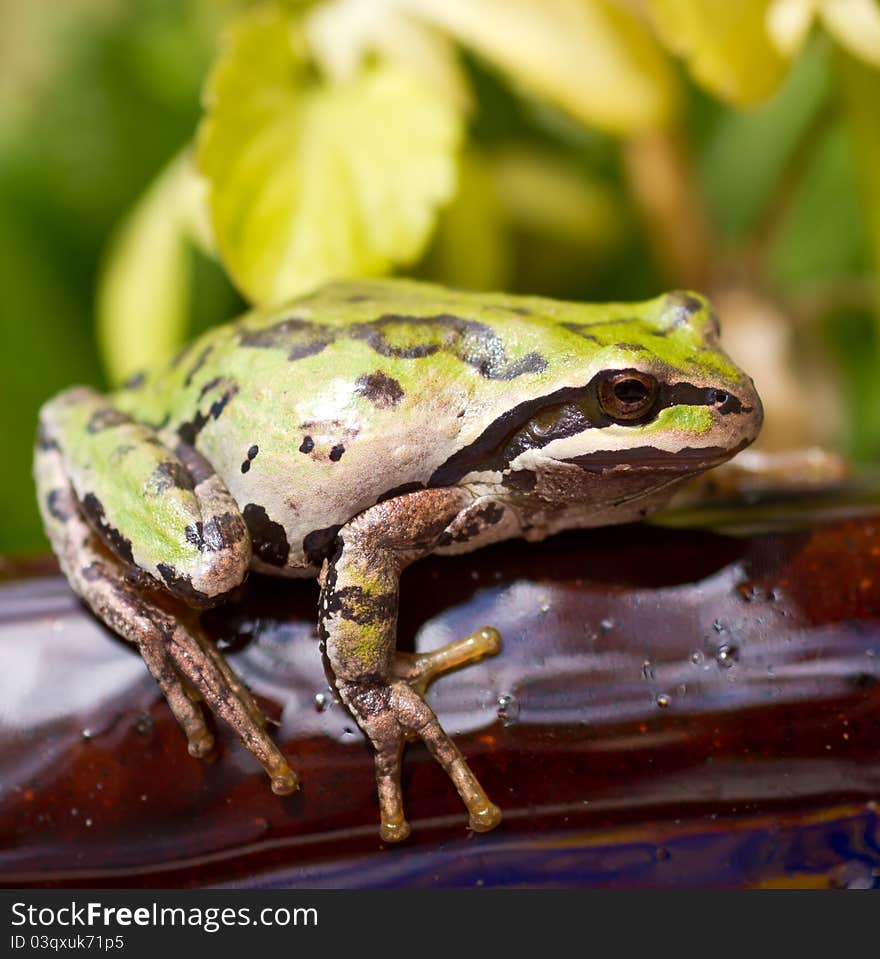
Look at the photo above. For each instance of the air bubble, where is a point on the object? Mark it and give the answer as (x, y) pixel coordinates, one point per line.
(322, 702)
(727, 654)
(663, 700)
(143, 724)
(508, 709)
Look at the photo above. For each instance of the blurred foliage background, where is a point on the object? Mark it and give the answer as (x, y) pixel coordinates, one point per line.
(163, 163)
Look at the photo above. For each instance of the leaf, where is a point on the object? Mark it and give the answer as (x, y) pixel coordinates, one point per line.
(341, 33)
(855, 24)
(749, 154)
(822, 236)
(312, 179)
(593, 58)
(727, 45)
(144, 287)
(551, 197)
(471, 248)
(860, 86)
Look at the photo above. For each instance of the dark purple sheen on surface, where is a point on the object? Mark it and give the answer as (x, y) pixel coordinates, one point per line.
(670, 708)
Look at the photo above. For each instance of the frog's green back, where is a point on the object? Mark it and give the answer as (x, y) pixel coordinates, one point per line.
(364, 388)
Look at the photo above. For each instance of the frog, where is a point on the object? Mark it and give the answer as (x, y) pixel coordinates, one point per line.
(349, 433)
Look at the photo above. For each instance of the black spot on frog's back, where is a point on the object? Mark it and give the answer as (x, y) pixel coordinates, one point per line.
(171, 474)
(297, 337)
(381, 390)
(106, 418)
(472, 342)
(268, 538)
(188, 431)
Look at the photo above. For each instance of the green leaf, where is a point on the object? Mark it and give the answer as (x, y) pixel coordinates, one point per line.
(471, 248)
(593, 58)
(822, 234)
(749, 153)
(144, 287)
(860, 86)
(726, 43)
(312, 179)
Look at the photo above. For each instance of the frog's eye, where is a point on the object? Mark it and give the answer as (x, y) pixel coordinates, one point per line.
(627, 395)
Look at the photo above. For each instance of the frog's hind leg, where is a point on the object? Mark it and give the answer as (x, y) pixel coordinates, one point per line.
(358, 624)
(179, 658)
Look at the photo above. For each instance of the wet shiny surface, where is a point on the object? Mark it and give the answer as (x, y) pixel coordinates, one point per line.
(669, 708)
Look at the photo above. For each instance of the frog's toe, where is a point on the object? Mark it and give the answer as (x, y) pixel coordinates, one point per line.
(485, 819)
(394, 831)
(200, 745)
(421, 669)
(391, 714)
(285, 781)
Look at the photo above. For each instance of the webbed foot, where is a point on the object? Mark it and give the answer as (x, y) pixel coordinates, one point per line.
(390, 713)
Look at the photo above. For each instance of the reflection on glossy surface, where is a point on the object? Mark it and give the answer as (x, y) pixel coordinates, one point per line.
(669, 708)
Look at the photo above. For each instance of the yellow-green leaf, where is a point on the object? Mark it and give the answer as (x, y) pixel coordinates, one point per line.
(726, 43)
(550, 196)
(341, 33)
(311, 179)
(471, 248)
(860, 86)
(855, 24)
(143, 290)
(593, 58)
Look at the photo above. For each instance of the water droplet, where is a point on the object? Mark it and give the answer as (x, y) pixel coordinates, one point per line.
(143, 797)
(727, 654)
(647, 669)
(87, 733)
(545, 607)
(143, 724)
(322, 702)
(606, 626)
(854, 874)
(696, 657)
(663, 700)
(747, 591)
(508, 709)
(89, 822)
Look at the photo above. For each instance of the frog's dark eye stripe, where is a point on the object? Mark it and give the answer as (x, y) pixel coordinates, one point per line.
(624, 397)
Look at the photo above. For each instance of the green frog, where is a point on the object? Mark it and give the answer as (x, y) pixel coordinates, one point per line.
(347, 435)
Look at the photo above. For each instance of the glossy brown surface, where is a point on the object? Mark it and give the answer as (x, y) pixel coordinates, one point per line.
(669, 708)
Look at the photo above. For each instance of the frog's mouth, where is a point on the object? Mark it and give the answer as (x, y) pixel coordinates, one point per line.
(685, 460)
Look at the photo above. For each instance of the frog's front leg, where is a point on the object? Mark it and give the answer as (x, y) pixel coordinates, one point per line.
(118, 503)
(358, 622)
